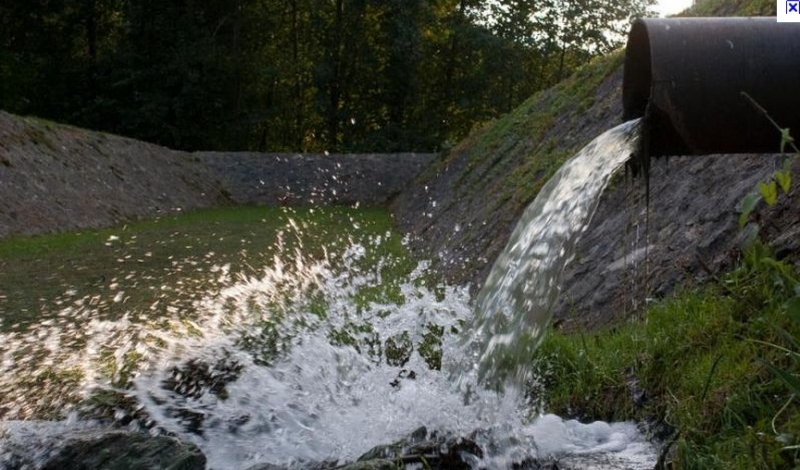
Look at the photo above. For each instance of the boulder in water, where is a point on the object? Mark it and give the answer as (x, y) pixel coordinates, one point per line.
(126, 451)
(431, 451)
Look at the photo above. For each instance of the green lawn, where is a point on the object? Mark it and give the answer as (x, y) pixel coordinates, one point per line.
(167, 263)
(81, 310)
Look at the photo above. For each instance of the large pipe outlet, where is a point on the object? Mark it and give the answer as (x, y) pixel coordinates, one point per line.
(712, 85)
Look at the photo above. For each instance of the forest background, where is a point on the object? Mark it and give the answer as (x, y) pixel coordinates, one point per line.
(295, 75)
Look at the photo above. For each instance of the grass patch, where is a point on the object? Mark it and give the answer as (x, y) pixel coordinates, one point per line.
(731, 8)
(83, 313)
(523, 130)
(699, 364)
(172, 260)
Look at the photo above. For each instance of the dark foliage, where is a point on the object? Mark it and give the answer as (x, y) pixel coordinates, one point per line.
(293, 75)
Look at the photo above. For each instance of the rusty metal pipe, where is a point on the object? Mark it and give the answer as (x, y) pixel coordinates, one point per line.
(687, 78)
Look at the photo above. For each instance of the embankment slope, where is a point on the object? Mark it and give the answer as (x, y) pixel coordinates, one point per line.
(56, 178)
(466, 205)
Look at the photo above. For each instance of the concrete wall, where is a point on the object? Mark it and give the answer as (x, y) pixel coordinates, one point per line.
(55, 178)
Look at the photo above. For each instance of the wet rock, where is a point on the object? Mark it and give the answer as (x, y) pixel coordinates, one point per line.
(376, 464)
(197, 377)
(307, 466)
(14, 459)
(421, 449)
(191, 420)
(418, 435)
(393, 450)
(126, 451)
(431, 451)
(534, 464)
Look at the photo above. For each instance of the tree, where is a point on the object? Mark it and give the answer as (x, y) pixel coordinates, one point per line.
(294, 75)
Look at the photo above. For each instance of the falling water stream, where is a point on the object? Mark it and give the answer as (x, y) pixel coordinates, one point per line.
(296, 366)
(514, 306)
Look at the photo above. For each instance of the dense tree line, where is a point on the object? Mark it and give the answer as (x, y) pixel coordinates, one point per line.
(294, 75)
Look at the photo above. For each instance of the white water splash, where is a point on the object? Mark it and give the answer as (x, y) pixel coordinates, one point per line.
(289, 366)
(514, 306)
(318, 399)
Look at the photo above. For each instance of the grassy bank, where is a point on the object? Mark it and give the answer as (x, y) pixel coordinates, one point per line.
(712, 370)
(526, 136)
(713, 367)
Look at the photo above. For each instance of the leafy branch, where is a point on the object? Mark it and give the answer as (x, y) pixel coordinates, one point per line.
(782, 179)
(781, 273)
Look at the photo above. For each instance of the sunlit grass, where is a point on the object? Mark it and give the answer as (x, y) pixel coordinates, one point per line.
(164, 264)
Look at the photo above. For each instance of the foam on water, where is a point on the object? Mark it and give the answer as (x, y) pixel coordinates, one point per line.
(291, 365)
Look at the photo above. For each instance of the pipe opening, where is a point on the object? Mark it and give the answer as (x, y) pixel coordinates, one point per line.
(685, 77)
(637, 73)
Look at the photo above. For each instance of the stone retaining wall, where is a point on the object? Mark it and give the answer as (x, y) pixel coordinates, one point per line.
(55, 178)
